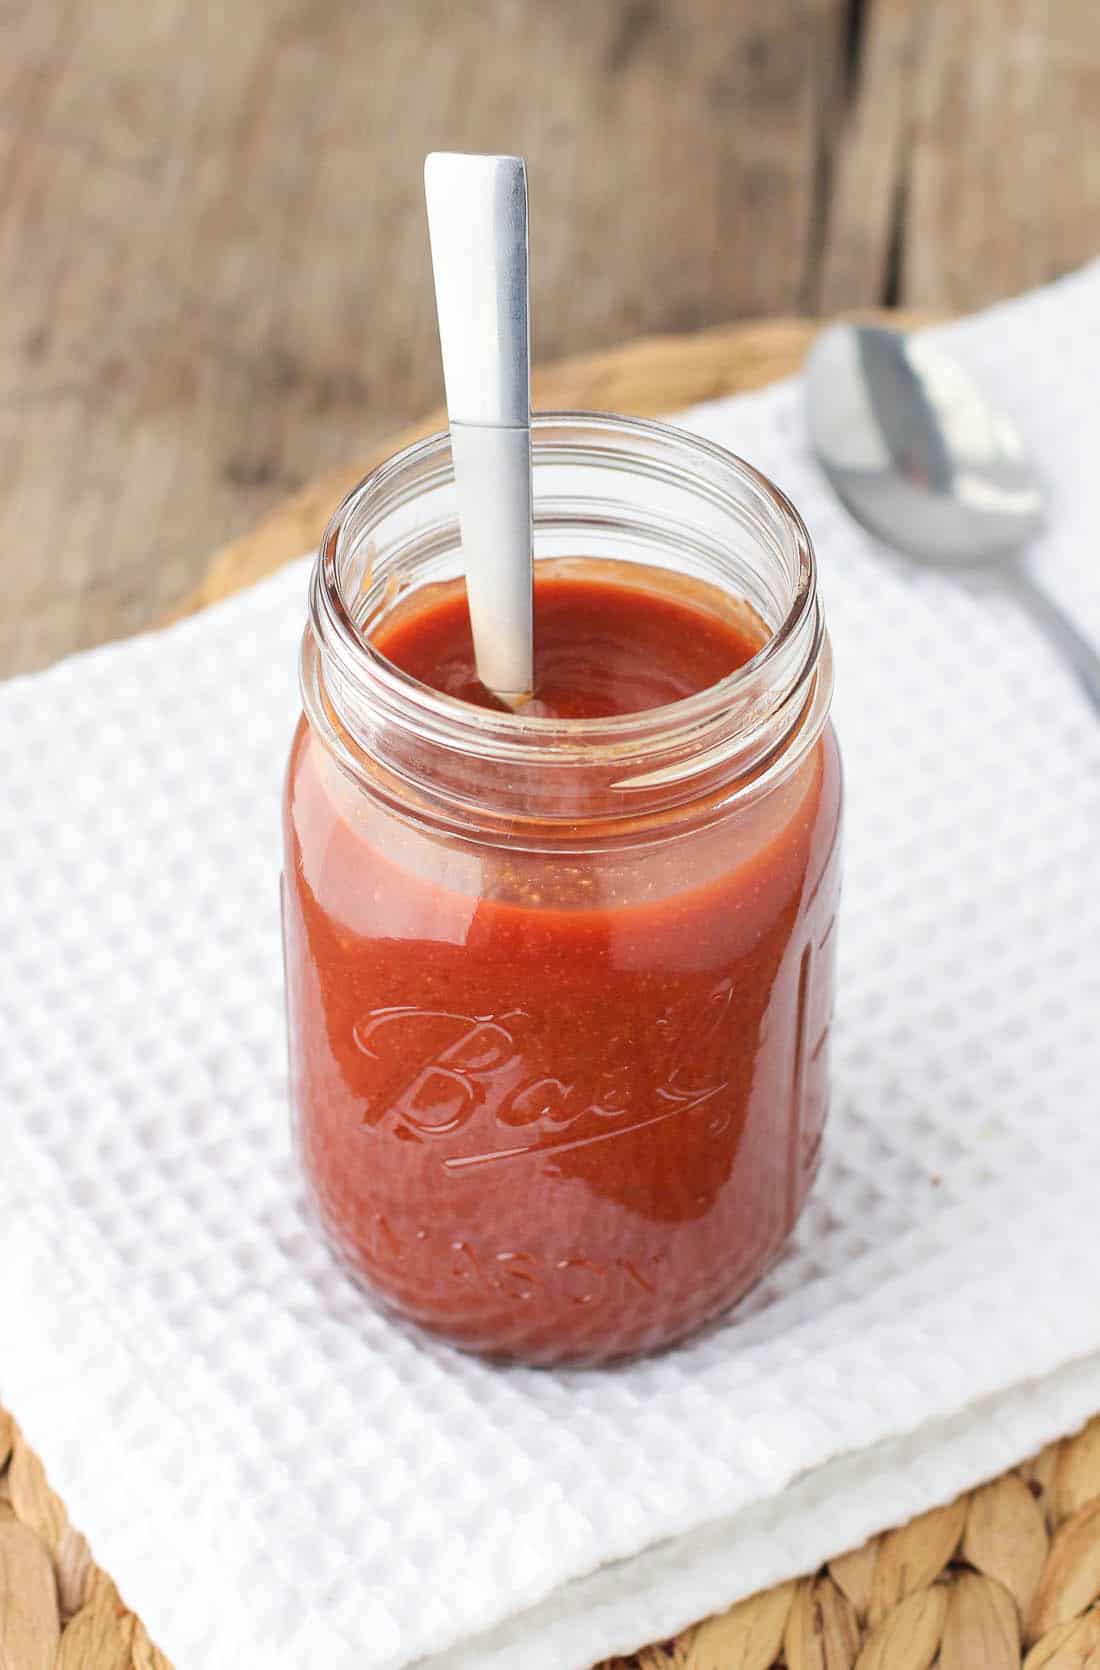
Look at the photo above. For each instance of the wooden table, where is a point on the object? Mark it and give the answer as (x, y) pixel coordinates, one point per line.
(214, 276)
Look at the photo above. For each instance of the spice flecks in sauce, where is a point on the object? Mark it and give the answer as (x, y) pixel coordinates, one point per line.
(570, 1111)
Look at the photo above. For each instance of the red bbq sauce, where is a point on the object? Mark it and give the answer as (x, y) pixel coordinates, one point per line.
(601, 648)
(564, 1108)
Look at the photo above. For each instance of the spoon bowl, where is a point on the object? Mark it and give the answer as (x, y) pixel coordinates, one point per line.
(920, 457)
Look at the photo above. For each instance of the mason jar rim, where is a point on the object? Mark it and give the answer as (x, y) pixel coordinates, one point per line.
(516, 734)
(643, 492)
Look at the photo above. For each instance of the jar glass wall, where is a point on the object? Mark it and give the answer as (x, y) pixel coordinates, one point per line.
(559, 991)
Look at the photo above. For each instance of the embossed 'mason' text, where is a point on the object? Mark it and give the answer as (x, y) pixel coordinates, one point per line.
(513, 1273)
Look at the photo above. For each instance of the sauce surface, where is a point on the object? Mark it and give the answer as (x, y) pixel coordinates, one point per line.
(562, 1107)
(601, 648)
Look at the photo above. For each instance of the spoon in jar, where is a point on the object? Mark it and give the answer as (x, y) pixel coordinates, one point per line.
(918, 455)
(477, 224)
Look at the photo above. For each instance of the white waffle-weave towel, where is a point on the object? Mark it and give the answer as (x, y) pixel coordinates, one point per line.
(279, 1477)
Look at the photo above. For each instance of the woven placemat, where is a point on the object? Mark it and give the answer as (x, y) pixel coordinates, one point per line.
(1007, 1575)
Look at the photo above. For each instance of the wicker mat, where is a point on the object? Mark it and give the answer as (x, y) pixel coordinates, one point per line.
(1008, 1575)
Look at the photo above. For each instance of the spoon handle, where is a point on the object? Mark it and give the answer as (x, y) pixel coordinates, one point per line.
(477, 222)
(1069, 641)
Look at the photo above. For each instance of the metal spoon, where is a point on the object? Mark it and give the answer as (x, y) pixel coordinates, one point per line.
(477, 222)
(922, 460)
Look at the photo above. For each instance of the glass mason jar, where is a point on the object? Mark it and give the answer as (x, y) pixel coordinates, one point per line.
(559, 990)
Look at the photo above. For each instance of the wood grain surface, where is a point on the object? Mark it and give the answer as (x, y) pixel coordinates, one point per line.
(644, 378)
(214, 279)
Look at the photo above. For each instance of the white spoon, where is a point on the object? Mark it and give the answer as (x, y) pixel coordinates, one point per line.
(477, 222)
